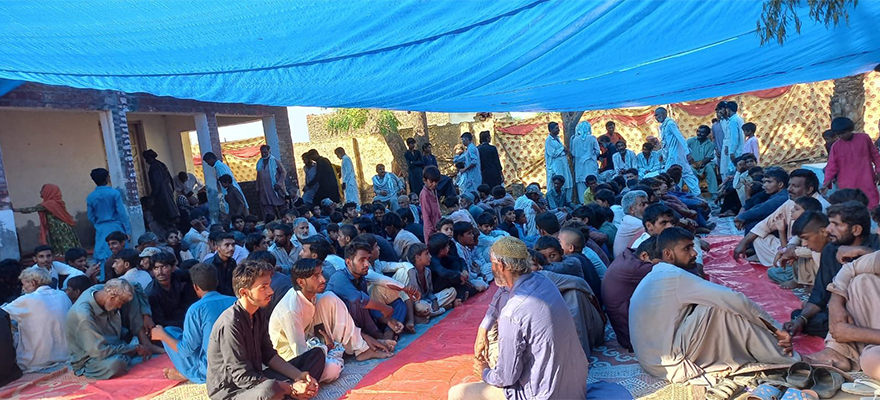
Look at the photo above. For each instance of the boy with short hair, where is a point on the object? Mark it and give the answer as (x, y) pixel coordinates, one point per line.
(508, 216)
(447, 271)
(432, 303)
(444, 226)
(428, 201)
(751, 143)
(234, 197)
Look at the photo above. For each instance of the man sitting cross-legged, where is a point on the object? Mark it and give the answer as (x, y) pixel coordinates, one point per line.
(188, 347)
(171, 292)
(854, 318)
(682, 326)
(308, 313)
(624, 275)
(94, 332)
(539, 354)
(240, 346)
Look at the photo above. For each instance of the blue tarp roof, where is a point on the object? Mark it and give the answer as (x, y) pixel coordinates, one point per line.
(436, 55)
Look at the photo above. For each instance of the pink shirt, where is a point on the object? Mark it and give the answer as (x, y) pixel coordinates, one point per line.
(430, 211)
(854, 163)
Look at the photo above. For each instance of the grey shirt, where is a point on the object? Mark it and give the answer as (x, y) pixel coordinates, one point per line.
(92, 332)
(238, 349)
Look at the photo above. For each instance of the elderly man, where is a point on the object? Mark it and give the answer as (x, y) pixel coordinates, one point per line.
(556, 158)
(703, 152)
(270, 181)
(539, 354)
(676, 151)
(386, 187)
(631, 227)
(40, 315)
(683, 327)
(94, 332)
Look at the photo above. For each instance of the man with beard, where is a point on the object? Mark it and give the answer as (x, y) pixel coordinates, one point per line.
(308, 312)
(849, 229)
(683, 327)
(171, 293)
(328, 185)
(240, 346)
(286, 248)
(270, 181)
(703, 153)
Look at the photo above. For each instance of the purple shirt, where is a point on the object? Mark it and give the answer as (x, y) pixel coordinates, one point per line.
(539, 353)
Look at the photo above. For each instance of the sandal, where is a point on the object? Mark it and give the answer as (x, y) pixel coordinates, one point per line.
(863, 387)
(799, 394)
(764, 392)
(723, 390)
(800, 374)
(827, 382)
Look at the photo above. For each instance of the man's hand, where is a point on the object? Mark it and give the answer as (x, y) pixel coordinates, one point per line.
(784, 340)
(843, 332)
(479, 367)
(305, 387)
(157, 333)
(413, 293)
(148, 323)
(846, 254)
(464, 277)
(143, 352)
(198, 225)
(785, 256)
(740, 251)
(739, 224)
(795, 326)
(824, 189)
(92, 271)
(838, 314)
(481, 345)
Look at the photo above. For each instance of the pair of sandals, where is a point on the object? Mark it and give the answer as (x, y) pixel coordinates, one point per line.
(867, 389)
(802, 382)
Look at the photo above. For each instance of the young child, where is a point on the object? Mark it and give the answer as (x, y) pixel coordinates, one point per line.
(234, 197)
(488, 235)
(795, 264)
(751, 143)
(447, 271)
(465, 242)
(508, 216)
(428, 201)
(444, 226)
(432, 303)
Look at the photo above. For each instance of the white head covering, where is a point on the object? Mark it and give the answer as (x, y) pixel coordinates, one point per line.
(584, 128)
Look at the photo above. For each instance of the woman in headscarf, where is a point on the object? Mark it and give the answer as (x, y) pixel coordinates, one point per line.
(56, 224)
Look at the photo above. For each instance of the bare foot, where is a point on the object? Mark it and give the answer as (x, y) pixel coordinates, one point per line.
(456, 303)
(174, 375)
(419, 319)
(410, 328)
(389, 343)
(373, 354)
(828, 356)
(789, 284)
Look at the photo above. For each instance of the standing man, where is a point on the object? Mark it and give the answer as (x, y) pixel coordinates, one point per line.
(676, 150)
(385, 186)
(490, 163)
(164, 209)
(585, 151)
(240, 346)
(221, 169)
(718, 129)
(471, 175)
(703, 153)
(107, 213)
(556, 159)
(854, 161)
(328, 185)
(539, 354)
(733, 137)
(349, 179)
(414, 163)
(270, 182)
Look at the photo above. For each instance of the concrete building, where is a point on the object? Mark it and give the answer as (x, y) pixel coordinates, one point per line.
(54, 134)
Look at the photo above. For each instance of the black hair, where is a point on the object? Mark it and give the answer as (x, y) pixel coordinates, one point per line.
(809, 221)
(303, 269)
(484, 189)
(414, 250)
(363, 224)
(605, 195)
(130, 256)
(486, 218)
(285, 228)
(437, 242)
(336, 217)
(518, 213)
(348, 206)
(809, 203)
(392, 219)
(810, 178)
(367, 208)
(732, 106)
(431, 173)
(332, 227)
(252, 241)
(443, 221)
(777, 174)
(547, 222)
(186, 265)
(410, 141)
(498, 192)
(246, 273)
(406, 215)
(591, 178)
(671, 237)
(100, 176)
(319, 245)
(505, 210)
(263, 255)
(117, 236)
(450, 201)
(548, 242)
(631, 171)
(848, 194)
(649, 245)
(750, 126)
(165, 258)
(74, 254)
(41, 248)
(598, 215)
(655, 211)
(647, 189)
(584, 213)
(367, 238)
(559, 178)
(468, 136)
(352, 248)
(460, 228)
(225, 179)
(348, 231)
(485, 137)
(79, 283)
(538, 257)
(852, 213)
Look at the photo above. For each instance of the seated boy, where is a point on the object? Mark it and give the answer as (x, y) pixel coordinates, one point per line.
(448, 272)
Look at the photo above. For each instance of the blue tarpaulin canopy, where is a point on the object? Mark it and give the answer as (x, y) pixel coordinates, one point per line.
(426, 55)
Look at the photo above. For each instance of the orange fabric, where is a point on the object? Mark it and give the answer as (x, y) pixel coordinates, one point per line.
(53, 203)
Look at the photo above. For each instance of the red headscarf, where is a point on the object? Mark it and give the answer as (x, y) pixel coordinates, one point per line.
(53, 203)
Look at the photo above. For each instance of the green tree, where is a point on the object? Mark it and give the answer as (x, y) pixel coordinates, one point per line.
(375, 122)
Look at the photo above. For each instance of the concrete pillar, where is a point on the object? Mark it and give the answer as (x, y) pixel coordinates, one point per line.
(120, 163)
(8, 234)
(284, 147)
(209, 140)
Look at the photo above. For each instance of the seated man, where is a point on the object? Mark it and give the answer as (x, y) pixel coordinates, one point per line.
(46, 260)
(849, 230)
(240, 346)
(624, 275)
(633, 203)
(170, 293)
(775, 185)
(350, 285)
(75, 286)
(854, 334)
(533, 324)
(94, 332)
(40, 315)
(308, 313)
(703, 152)
(682, 326)
(137, 316)
(188, 347)
(401, 238)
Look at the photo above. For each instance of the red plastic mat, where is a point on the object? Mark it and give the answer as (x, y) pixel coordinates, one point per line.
(752, 281)
(433, 363)
(144, 381)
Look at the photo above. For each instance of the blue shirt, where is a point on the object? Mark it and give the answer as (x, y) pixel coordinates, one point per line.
(105, 205)
(197, 325)
(539, 353)
(348, 288)
(674, 145)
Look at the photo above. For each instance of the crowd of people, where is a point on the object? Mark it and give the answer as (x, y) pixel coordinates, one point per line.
(271, 306)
